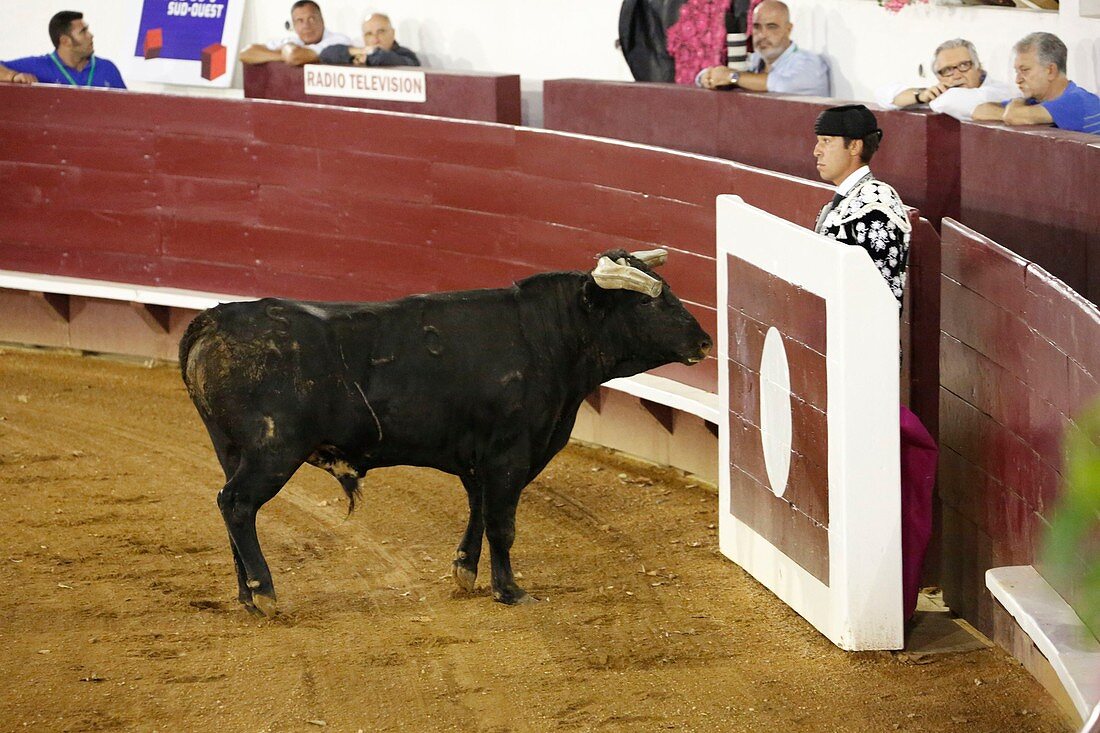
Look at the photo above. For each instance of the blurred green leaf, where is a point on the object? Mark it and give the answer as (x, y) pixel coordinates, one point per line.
(1071, 556)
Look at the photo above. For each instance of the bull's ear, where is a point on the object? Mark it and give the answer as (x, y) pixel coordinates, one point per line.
(592, 295)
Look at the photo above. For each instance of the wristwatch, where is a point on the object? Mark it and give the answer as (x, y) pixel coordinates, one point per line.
(734, 76)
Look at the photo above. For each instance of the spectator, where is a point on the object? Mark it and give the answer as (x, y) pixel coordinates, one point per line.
(309, 40)
(778, 64)
(643, 38)
(380, 47)
(962, 84)
(1049, 96)
(865, 211)
(73, 61)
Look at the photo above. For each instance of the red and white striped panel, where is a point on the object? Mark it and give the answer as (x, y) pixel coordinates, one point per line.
(809, 499)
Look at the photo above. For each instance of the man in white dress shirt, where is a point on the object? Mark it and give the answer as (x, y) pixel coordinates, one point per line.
(961, 84)
(305, 46)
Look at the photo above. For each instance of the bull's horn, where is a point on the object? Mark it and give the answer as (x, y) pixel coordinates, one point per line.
(652, 257)
(611, 276)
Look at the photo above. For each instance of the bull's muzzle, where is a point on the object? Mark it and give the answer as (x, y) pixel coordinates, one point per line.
(704, 347)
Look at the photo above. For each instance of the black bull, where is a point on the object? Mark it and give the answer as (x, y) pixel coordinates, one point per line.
(482, 384)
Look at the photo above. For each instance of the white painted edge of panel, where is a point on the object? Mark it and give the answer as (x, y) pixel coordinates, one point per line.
(1055, 628)
(106, 290)
(864, 454)
(861, 607)
(669, 392)
(1092, 725)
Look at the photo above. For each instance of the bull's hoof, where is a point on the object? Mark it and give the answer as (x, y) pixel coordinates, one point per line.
(464, 577)
(266, 605)
(517, 597)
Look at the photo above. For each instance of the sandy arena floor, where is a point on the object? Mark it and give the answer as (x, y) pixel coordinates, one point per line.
(119, 605)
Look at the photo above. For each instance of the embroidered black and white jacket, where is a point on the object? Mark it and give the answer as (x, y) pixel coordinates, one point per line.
(871, 216)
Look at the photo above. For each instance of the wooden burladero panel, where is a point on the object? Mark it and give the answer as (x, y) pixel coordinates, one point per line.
(1020, 357)
(797, 521)
(808, 499)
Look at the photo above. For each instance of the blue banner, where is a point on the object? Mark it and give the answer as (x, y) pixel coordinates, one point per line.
(179, 29)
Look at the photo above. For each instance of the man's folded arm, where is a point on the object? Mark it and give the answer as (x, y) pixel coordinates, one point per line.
(258, 53)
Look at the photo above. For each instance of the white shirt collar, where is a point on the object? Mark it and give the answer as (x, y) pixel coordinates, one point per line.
(853, 178)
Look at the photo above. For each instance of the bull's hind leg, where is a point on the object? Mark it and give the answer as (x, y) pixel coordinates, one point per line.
(255, 482)
(229, 456)
(468, 553)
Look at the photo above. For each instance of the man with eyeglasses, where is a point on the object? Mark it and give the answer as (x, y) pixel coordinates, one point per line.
(72, 63)
(1049, 97)
(961, 84)
(304, 47)
(380, 47)
(777, 64)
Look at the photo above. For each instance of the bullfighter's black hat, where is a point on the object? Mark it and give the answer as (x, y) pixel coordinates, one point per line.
(850, 121)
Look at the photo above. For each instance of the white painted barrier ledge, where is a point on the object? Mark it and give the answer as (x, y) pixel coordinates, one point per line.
(146, 294)
(645, 386)
(1055, 628)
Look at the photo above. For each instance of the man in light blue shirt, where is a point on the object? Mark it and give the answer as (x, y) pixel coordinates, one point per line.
(1049, 96)
(778, 65)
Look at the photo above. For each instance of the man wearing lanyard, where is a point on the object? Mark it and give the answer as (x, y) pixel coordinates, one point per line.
(73, 61)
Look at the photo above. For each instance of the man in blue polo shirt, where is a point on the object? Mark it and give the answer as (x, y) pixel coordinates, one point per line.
(73, 61)
(1049, 96)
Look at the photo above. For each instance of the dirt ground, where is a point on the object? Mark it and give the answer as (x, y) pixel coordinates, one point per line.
(119, 611)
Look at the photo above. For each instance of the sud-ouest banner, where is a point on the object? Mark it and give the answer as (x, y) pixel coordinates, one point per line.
(192, 42)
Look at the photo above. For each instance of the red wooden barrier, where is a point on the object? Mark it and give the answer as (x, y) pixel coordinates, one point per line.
(254, 198)
(1020, 355)
(1035, 190)
(466, 95)
(919, 156)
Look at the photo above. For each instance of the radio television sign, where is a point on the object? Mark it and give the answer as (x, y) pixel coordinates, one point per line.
(365, 83)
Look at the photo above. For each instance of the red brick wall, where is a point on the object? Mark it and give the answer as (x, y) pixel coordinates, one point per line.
(1020, 355)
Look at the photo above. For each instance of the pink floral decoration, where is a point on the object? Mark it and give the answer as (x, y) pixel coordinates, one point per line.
(697, 40)
(895, 6)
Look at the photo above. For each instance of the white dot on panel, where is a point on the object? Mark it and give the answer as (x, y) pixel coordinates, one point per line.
(775, 411)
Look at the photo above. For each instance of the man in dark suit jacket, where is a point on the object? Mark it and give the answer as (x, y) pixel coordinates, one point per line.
(380, 47)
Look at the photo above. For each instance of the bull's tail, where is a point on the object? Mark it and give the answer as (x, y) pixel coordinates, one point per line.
(350, 484)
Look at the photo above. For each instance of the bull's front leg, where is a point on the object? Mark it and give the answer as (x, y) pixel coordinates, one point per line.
(502, 491)
(468, 553)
